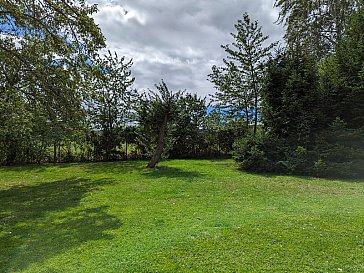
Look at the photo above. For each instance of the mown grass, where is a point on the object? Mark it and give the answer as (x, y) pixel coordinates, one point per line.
(185, 216)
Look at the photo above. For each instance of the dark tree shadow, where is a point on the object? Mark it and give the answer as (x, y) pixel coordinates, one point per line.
(38, 222)
(171, 172)
(111, 167)
(305, 177)
(114, 167)
(25, 169)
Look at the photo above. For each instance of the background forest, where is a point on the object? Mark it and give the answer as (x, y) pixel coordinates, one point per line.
(294, 108)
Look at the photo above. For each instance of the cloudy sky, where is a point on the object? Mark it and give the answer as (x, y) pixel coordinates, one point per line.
(177, 40)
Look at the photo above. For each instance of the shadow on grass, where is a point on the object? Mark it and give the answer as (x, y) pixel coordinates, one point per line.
(26, 168)
(41, 221)
(171, 172)
(304, 177)
(114, 167)
(93, 167)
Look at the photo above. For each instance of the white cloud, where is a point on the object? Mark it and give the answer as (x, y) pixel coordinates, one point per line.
(177, 41)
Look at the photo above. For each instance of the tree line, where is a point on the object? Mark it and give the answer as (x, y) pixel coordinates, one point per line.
(294, 108)
(64, 100)
(310, 95)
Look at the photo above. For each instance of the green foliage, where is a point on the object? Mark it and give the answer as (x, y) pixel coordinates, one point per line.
(110, 102)
(260, 153)
(340, 151)
(333, 152)
(315, 27)
(291, 97)
(15, 131)
(150, 112)
(304, 91)
(187, 129)
(221, 131)
(313, 111)
(343, 82)
(248, 152)
(156, 113)
(239, 82)
(44, 46)
(185, 135)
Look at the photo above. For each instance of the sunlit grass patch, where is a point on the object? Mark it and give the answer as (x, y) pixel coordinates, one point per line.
(185, 216)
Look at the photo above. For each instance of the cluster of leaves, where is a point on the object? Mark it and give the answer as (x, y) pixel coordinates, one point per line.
(304, 104)
(315, 27)
(174, 124)
(44, 46)
(313, 111)
(109, 103)
(238, 82)
(61, 100)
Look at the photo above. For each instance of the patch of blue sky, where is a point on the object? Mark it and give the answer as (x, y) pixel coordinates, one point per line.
(8, 26)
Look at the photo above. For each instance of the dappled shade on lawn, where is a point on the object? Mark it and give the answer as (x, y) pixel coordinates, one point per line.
(41, 221)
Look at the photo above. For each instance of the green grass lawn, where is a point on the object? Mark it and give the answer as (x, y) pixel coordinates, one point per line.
(185, 216)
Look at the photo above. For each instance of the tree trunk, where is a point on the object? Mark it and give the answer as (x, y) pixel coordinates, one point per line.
(55, 153)
(256, 114)
(59, 152)
(126, 149)
(161, 141)
(247, 117)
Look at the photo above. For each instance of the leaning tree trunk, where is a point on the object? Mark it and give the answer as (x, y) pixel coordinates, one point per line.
(161, 142)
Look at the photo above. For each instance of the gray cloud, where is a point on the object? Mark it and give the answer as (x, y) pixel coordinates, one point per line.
(177, 41)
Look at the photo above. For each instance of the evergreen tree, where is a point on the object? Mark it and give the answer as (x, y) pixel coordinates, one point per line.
(231, 94)
(291, 97)
(343, 76)
(239, 82)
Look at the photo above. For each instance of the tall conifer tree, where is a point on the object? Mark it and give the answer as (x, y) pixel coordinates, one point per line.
(239, 82)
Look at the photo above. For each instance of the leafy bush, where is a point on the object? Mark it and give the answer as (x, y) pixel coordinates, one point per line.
(333, 152)
(340, 151)
(258, 153)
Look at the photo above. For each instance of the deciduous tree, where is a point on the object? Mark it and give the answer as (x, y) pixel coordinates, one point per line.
(315, 26)
(111, 99)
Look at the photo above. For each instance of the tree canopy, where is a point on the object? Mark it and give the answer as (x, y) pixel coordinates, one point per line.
(315, 26)
(44, 49)
(239, 82)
